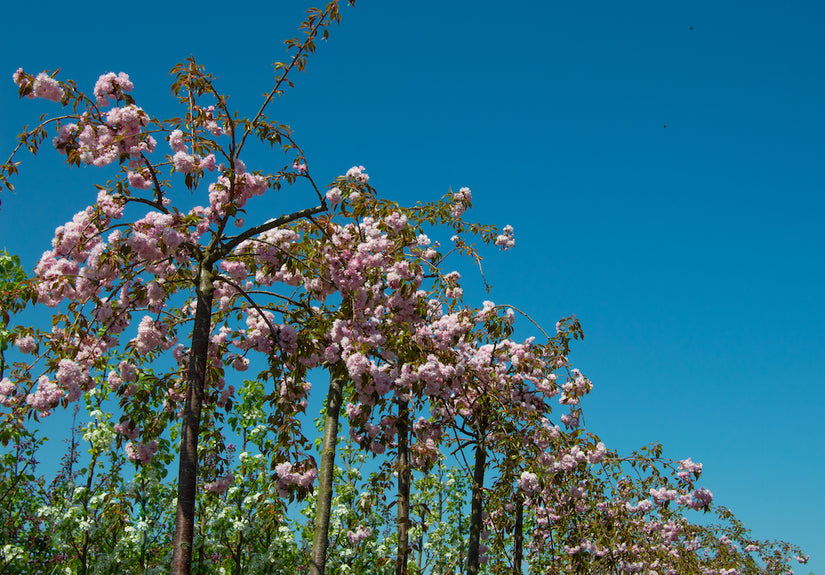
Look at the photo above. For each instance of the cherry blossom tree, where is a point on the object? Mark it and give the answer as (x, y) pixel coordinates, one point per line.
(162, 297)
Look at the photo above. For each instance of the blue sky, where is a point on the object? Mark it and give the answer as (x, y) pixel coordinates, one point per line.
(692, 253)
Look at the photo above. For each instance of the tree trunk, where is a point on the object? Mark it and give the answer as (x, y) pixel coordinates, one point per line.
(190, 427)
(320, 536)
(403, 502)
(518, 535)
(476, 502)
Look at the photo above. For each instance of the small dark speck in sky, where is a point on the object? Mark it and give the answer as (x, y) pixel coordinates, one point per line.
(691, 27)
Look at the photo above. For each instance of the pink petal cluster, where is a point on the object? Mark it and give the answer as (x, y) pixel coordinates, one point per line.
(287, 478)
(141, 452)
(528, 482)
(462, 201)
(25, 344)
(7, 393)
(47, 88)
(688, 470)
(505, 240)
(358, 174)
(360, 534)
(333, 196)
(47, 395)
(219, 485)
(111, 85)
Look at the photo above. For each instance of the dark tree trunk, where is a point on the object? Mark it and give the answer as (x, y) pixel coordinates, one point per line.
(403, 502)
(320, 536)
(476, 502)
(190, 427)
(518, 535)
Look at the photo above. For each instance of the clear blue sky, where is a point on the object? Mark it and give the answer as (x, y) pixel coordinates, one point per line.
(692, 253)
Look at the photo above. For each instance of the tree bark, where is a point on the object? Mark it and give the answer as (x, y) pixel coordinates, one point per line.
(476, 502)
(518, 535)
(403, 501)
(190, 427)
(320, 536)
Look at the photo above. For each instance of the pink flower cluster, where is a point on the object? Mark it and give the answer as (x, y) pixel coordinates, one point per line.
(126, 430)
(72, 378)
(663, 495)
(152, 336)
(529, 482)
(141, 452)
(287, 478)
(358, 174)
(505, 240)
(219, 485)
(333, 196)
(47, 396)
(7, 393)
(360, 534)
(44, 86)
(224, 194)
(699, 499)
(462, 201)
(111, 85)
(688, 471)
(25, 344)
(121, 135)
(155, 236)
(185, 162)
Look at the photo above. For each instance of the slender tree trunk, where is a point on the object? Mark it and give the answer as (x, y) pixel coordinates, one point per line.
(190, 427)
(403, 502)
(238, 553)
(518, 535)
(476, 501)
(421, 537)
(320, 537)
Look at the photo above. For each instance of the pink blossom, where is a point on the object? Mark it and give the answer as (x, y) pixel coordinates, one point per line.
(699, 499)
(333, 196)
(141, 452)
(25, 344)
(505, 240)
(219, 485)
(183, 162)
(463, 200)
(358, 535)
(72, 378)
(19, 77)
(176, 142)
(46, 396)
(663, 495)
(47, 88)
(207, 163)
(126, 430)
(597, 455)
(109, 84)
(128, 372)
(7, 395)
(151, 336)
(6, 386)
(240, 363)
(528, 482)
(357, 365)
(357, 173)
(308, 478)
(395, 221)
(283, 469)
